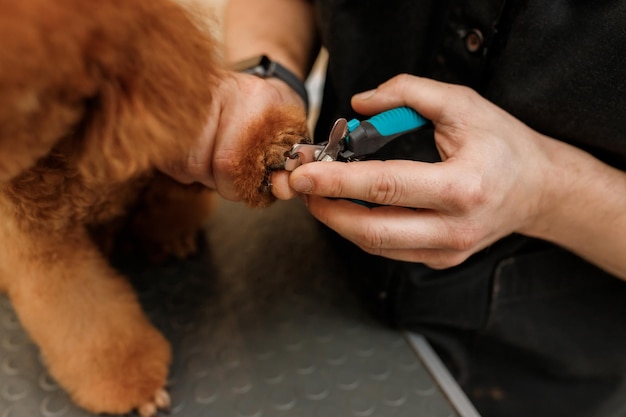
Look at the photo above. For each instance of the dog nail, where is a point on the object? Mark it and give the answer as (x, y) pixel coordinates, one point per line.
(162, 399)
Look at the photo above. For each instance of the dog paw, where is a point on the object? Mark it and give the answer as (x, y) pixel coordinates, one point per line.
(124, 372)
(160, 401)
(181, 247)
(168, 221)
(263, 149)
(120, 397)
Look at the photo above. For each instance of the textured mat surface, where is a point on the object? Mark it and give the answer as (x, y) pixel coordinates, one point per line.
(261, 323)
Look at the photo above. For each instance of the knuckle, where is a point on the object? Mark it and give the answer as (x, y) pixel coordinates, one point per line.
(466, 194)
(465, 96)
(464, 107)
(398, 83)
(385, 190)
(472, 198)
(329, 186)
(463, 240)
(462, 235)
(373, 238)
(402, 79)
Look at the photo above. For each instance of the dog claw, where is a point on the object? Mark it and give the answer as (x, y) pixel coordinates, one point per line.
(161, 401)
(147, 410)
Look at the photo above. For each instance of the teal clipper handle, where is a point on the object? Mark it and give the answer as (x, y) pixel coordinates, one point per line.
(370, 135)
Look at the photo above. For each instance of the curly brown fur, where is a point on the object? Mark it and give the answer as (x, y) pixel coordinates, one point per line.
(93, 97)
(269, 139)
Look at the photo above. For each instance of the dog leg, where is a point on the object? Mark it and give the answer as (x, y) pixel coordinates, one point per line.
(92, 332)
(167, 219)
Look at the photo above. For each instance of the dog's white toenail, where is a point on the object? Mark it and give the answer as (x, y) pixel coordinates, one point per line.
(162, 399)
(147, 410)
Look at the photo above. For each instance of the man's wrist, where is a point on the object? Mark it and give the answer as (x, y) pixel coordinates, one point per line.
(263, 67)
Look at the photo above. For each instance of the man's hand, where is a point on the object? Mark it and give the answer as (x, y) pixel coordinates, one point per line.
(239, 101)
(497, 176)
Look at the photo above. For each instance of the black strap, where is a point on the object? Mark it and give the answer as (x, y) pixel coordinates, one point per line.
(264, 67)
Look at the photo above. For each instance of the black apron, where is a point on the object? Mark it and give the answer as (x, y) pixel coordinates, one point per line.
(527, 328)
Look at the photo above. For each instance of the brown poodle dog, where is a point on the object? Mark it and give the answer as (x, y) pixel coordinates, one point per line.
(93, 96)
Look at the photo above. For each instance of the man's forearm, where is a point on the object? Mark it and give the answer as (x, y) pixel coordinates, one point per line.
(282, 29)
(585, 208)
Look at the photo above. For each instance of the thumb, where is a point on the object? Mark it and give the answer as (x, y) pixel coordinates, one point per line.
(426, 96)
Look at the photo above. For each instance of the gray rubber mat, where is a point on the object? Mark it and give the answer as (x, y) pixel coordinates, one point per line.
(262, 324)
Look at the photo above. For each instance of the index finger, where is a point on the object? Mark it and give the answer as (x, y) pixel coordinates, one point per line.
(395, 183)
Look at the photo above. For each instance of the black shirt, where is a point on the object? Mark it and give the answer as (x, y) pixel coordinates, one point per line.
(559, 65)
(536, 322)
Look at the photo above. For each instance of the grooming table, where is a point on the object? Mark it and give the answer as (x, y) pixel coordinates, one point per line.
(262, 324)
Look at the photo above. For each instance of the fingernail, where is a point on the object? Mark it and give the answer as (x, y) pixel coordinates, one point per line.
(304, 198)
(365, 94)
(303, 185)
